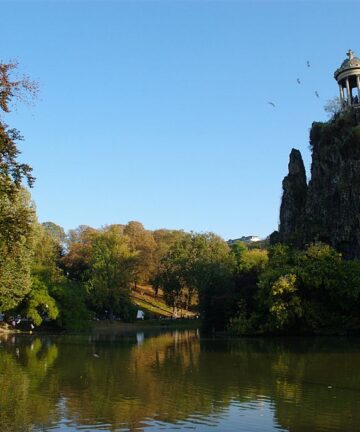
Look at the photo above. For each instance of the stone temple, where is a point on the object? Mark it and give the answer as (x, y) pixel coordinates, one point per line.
(348, 79)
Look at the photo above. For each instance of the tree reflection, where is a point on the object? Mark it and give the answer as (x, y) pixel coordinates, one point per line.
(175, 377)
(29, 388)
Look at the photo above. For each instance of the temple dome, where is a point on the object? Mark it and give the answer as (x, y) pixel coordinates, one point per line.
(350, 63)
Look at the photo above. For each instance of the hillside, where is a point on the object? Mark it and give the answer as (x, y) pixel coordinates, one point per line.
(144, 297)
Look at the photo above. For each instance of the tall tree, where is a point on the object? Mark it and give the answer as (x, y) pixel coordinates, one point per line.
(77, 262)
(198, 264)
(17, 219)
(143, 244)
(56, 232)
(112, 264)
(16, 210)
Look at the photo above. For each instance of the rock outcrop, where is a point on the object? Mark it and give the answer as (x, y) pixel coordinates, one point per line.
(328, 208)
(293, 199)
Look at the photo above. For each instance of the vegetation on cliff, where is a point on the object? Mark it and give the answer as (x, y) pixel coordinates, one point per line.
(327, 208)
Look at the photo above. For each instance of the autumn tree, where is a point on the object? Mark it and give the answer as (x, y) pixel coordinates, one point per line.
(77, 262)
(12, 89)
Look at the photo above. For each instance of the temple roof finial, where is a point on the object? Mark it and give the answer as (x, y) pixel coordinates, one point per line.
(350, 54)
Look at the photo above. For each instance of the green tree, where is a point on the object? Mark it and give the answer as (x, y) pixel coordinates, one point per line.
(53, 296)
(141, 243)
(112, 265)
(164, 240)
(286, 304)
(39, 303)
(17, 213)
(248, 265)
(57, 233)
(17, 219)
(199, 264)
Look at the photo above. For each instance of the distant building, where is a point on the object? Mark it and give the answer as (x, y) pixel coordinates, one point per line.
(245, 239)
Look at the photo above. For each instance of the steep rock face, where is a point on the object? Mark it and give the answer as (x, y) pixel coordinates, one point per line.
(333, 206)
(293, 200)
(330, 211)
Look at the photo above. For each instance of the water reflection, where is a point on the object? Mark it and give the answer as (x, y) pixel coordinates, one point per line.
(175, 380)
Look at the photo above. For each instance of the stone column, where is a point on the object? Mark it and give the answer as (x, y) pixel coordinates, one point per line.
(348, 91)
(358, 86)
(341, 95)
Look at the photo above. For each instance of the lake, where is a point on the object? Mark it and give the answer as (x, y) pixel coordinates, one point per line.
(177, 380)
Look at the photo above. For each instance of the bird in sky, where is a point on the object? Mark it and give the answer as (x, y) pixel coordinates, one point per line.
(271, 103)
(308, 63)
(298, 80)
(316, 94)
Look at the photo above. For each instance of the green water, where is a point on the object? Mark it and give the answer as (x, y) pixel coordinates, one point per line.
(178, 381)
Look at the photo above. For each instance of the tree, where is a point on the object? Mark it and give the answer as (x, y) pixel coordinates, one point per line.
(248, 265)
(16, 210)
(112, 264)
(286, 305)
(11, 90)
(14, 88)
(333, 106)
(143, 244)
(39, 303)
(171, 275)
(56, 232)
(198, 264)
(211, 274)
(77, 262)
(17, 220)
(164, 240)
(56, 295)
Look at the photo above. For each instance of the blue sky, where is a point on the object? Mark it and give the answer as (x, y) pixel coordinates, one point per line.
(158, 111)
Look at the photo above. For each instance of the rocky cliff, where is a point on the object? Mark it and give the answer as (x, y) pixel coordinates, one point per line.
(328, 208)
(293, 200)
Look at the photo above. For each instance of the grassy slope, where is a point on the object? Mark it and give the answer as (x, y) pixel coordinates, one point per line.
(145, 299)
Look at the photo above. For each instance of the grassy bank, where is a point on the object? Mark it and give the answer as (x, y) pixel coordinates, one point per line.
(6, 328)
(152, 324)
(154, 305)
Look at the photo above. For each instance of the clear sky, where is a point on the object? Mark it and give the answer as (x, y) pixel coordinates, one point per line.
(158, 111)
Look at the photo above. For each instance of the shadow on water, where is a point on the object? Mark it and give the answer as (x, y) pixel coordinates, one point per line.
(175, 380)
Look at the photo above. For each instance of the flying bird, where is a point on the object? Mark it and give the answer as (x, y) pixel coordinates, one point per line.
(298, 80)
(316, 94)
(271, 103)
(308, 63)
